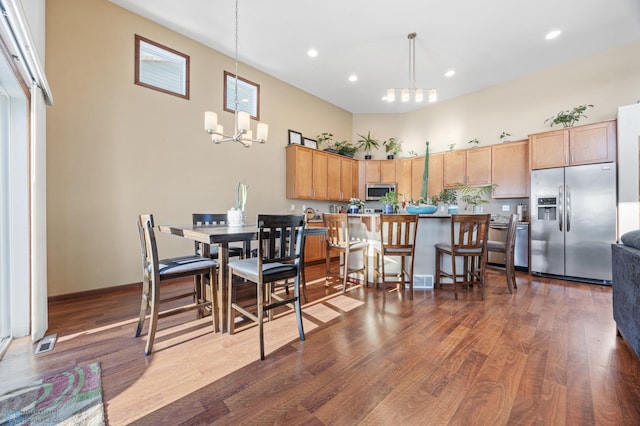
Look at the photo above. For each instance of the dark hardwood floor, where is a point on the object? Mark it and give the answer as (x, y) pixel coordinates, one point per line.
(546, 355)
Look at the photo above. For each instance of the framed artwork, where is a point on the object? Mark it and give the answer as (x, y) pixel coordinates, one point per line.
(248, 95)
(295, 137)
(161, 68)
(310, 143)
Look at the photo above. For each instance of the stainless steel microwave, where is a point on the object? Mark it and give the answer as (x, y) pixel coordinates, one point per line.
(376, 190)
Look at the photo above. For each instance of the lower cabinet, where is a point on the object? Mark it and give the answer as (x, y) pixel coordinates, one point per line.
(315, 246)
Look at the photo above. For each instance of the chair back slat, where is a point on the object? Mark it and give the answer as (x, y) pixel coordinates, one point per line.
(337, 225)
(148, 246)
(207, 219)
(469, 231)
(280, 238)
(398, 231)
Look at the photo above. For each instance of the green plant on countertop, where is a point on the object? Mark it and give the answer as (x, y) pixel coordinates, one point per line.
(356, 202)
(367, 143)
(448, 196)
(569, 117)
(392, 146)
(474, 196)
(504, 136)
(390, 198)
(474, 141)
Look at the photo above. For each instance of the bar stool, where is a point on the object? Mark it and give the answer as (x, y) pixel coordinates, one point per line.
(469, 234)
(508, 248)
(338, 239)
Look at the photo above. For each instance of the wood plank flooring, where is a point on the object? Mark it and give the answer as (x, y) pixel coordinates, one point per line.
(546, 355)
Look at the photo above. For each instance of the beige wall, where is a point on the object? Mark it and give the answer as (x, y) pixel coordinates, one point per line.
(520, 107)
(116, 149)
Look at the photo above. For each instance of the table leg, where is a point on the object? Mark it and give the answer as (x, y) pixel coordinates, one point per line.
(223, 289)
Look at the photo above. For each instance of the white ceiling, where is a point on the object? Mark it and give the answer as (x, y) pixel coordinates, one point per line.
(486, 42)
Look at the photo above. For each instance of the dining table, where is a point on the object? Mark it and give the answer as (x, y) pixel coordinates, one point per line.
(222, 235)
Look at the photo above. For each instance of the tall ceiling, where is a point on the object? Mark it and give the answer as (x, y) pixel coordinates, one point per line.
(485, 42)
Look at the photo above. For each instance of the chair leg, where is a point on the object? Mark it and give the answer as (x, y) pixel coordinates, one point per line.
(298, 307)
(384, 277)
(143, 305)
(231, 290)
(365, 262)
(215, 309)
(345, 271)
(436, 280)
(454, 276)
(153, 320)
(260, 307)
(328, 262)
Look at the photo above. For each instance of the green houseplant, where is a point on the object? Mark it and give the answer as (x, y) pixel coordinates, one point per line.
(475, 196)
(504, 137)
(448, 196)
(569, 117)
(390, 201)
(367, 143)
(345, 148)
(393, 147)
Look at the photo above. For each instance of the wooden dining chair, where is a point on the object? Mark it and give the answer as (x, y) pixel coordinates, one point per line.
(156, 271)
(469, 234)
(280, 240)
(508, 248)
(216, 219)
(397, 240)
(338, 240)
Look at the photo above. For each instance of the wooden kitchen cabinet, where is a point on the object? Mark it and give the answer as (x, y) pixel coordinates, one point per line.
(403, 178)
(510, 171)
(380, 171)
(306, 173)
(588, 144)
(315, 246)
(436, 175)
(470, 166)
(318, 175)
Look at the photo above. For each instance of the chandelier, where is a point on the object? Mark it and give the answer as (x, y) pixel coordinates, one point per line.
(405, 93)
(242, 132)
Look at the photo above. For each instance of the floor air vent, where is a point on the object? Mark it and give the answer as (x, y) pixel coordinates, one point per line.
(46, 344)
(422, 282)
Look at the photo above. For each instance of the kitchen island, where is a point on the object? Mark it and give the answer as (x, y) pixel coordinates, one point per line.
(432, 229)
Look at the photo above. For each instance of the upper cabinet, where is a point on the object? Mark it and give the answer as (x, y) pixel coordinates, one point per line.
(317, 175)
(510, 171)
(469, 166)
(379, 171)
(436, 170)
(588, 144)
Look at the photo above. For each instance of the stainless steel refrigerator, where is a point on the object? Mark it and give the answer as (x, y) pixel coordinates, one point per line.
(573, 221)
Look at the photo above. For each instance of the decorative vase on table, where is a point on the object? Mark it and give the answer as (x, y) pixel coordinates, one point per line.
(235, 217)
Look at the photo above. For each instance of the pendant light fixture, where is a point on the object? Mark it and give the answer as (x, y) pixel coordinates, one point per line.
(242, 132)
(405, 93)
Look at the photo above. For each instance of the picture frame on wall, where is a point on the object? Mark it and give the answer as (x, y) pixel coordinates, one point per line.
(295, 138)
(311, 143)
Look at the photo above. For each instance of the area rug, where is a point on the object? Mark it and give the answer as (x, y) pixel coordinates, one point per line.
(70, 398)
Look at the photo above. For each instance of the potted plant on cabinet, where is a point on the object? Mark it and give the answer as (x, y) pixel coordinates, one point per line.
(390, 202)
(504, 137)
(345, 148)
(367, 143)
(569, 117)
(393, 147)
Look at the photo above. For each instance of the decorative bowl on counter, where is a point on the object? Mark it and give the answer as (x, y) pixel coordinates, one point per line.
(421, 209)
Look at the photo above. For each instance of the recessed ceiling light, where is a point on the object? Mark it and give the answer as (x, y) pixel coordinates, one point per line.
(450, 73)
(353, 78)
(312, 53)
(552, 34)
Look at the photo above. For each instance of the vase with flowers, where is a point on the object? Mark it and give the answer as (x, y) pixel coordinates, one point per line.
(235, 215)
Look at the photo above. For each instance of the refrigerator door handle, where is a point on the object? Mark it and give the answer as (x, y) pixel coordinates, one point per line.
(568, 204)
(560, 203)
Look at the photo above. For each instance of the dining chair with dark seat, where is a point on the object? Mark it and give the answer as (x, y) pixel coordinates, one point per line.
(508, 248)
(339, 240)
(469, 234)
(156, 271)
(280, 239)
(397, 240)
(216, 219)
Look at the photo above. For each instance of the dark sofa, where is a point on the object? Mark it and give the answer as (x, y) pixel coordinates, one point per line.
(626, 290)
